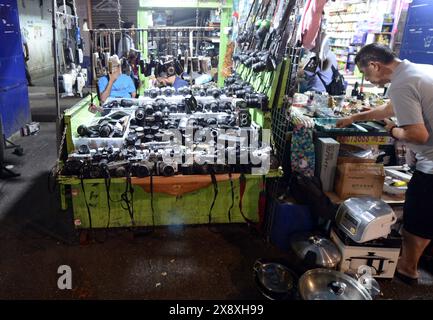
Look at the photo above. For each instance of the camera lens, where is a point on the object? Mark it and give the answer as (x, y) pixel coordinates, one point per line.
(153, 93)
(214, 133)
(73, 166)
(184, 91)
(166, 169)
(211, 121)
(141, 170)
(146, 129)
(82, 130)
(126, 103)
(131, 139)
(168, 92)
(148, 110)
(154, 129)
(240, 93)
(105, 130)
(158, 116)
(158, 136)
(172, 108)
(214, 92)
(214, 107)
(83, 149)
(140, 114)
(148, 138)
(120, 172)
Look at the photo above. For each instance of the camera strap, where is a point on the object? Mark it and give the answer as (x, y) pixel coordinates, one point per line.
(129, 202)
(107, 181)
(151, 200)
(85, 197)
(229, 213)
(323, 81)
(215, 189)
(242, 187)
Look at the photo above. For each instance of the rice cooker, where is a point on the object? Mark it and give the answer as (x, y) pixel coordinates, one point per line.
(365, 218)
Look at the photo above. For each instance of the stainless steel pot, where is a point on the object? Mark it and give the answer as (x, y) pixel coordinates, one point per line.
(326, 284)
(315, 251)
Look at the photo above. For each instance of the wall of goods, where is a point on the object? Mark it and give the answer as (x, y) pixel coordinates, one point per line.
(352, 24)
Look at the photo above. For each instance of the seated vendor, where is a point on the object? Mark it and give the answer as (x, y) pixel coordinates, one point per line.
(116, 84)
(174, 80)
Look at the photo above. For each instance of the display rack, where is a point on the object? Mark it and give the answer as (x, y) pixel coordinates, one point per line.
(56, 14)
(224, 7)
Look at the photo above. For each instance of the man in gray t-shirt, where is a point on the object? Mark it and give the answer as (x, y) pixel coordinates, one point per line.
(411, 95)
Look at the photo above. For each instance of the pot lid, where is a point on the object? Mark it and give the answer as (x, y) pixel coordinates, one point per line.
(326, 284)
(274, 277)
(316, 250)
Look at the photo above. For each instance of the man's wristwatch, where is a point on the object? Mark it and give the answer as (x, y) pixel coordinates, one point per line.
(390, 131)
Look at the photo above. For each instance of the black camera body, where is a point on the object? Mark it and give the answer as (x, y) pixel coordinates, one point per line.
(257, 101)
(142, 169)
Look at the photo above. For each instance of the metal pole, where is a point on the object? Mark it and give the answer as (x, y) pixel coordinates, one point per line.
(56, 76)
(89, 14)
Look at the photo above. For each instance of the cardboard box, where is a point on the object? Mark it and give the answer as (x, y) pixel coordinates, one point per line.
(326, 164)
(359, 179)
(382, 259)
(342, 160)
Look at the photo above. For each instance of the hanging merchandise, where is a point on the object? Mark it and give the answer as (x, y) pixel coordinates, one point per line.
(73, 77)
(310, 22)
(262, 43)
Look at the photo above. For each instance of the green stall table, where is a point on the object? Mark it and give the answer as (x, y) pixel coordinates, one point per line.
(175, 200)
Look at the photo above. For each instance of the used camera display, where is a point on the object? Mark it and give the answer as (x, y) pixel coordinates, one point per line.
(158, 133)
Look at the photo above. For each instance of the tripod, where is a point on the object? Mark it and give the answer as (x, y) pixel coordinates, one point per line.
(6, 144)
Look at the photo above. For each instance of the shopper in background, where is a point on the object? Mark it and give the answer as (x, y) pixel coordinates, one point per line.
(116, 84)
(411, 97)
(175, 81)
(26, 58)
(126, 43)
(318, 72)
